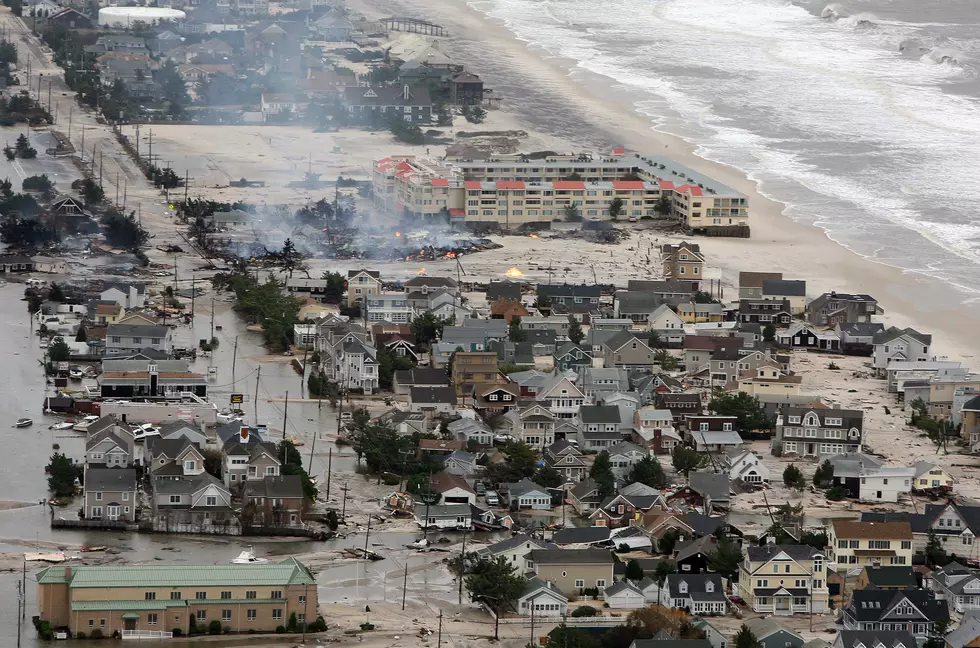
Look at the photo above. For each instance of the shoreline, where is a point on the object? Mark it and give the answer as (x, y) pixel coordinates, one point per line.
(606, 116)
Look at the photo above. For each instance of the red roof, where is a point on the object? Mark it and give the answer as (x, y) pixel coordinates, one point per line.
(701, 342)
(472, 184)
(440, 182)
(403, 166)
(456, 212)
(510, 184)
(694, 190)
(619, 150)
(568, 184)
(666, 184)
(628, 184)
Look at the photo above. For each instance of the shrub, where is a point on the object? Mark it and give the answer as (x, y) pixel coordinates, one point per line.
(178, 632)
(837, 493)
(96, 634)
(115, 634)
(214, 627)
(280, 629)
(590, 591)
(79, 635)
(318, 626)
(367, 626)
(585, 611)
(292, 622)
(226, 630)
(251, 631)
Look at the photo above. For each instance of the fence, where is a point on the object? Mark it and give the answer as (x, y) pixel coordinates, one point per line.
(147, 634)
(104, 525)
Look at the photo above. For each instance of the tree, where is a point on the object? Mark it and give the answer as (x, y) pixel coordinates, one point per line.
(633, 571)
(573, 214)
(615, 207)
(542, 302)
(23, 148)
(701, 297)
(520, 461)
(494, 583)
(443, 116)
(172, 87)
(668, 541)
(745, 638)
(769, 333)
(213, 461)
(654, 341)
(427, 327)
(122, 230)
(62, 474)
(666, 361)
(824, 474)
(92, 192)
(575, 333)
(816, 539)
(336, 289)
(937, 638)
(663, 206)
(726, 558)
(687, 459)
(82, 335)
(564, 637)
(747, 409)
(59, 350)
(56, 294)
(41, 183)
(548, 477)
(290, 257)
(514, 331)
(666, 567)
(648, 471)
(388, 363)
(793, 477)
(936, 555)
(602, 473)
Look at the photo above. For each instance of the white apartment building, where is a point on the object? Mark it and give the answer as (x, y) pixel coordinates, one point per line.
(391, 307)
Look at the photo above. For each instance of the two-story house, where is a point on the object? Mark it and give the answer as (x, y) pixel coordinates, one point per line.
(598, 427)
(357, 367)
(713, 433)
(850, 542)
(191, 504)
(750, 283)
(784, 579)
(391, 307)
(625, 510)
(885, 483)
(816, 432)
(955, 525)
(126, 295)
(570, 294)
(792, 291)
(534, 425)
(110, 448)
(596, 381)
(573, 570)
(914, 611)
(273, 501)
(683, 262)
(110, 494)
(571, 356)
(473, 369)
(560, 395)
(958, 585)
(248, 461)
(680, 405)
(567, 459)
(830, 309)
(654, 429)
(131, 336)
(702, 594)
(765, 311)
(744, 465)
(516, 550)
(626, 350)
(899, 344)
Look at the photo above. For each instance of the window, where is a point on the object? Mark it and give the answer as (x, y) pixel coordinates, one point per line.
(250, 594)
(226, 615)
(270, 470)
(91, 623)
(125, 497)
(175, 596)
(250, 615)
(302, 599)
(149, 596)
(101, 623)
(151, 619)
(202, 615)
(775, 569)
(276, 614)
(600, 582)
(201, 596)
(579, 582)
(276, 594)
(226, 595)
(137, 340)
(98, 496)
(175, 499)
(190, 464)
(211, 500)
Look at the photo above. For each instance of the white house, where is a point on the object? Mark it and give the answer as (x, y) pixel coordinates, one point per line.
(275, 104)
(453, 488)
(623, 456)
(126, 295)
(899, 344)
(700, 593)
(958, 585)
(561, 396)
(651, 589)
(627, 403)
(444, 516)
(747, 466)
(357, 367)
(543, 598)
(633, 537)
(624, 595)
(885, 484)
(668, 325)
(391, 307)
(515, 549)
(525, 494)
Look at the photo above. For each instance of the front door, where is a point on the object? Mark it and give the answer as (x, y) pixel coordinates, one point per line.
(810, 449)
(129, 624)
(782, 605)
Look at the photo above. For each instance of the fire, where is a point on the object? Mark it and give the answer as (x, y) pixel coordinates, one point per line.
(514, 273)
(398, 234)
(421, 271)
(450, 255)
(534, 236)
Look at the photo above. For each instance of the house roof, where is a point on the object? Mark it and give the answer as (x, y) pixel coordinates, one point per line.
(893, 333)
(767, 552)
(110, 479)
(440, 444)
(703, 524)
(891, 576)
(697, 584)
(572, 556)
(599, 414)
(433, 395)
(418, 95)
(967, 632)
(622, 586)
(569, 290)
(497, 290)
(581, 535)
(287, 572)
(516, 541)
(872, 605)
(275, 486)
(701, 546)
(715, 485)
(422, 376)
(756, 279)
(523, 487)
(784, 287)
(871, 530)
(763, 628)
(138, 330)
(875, 639)
(442, 482)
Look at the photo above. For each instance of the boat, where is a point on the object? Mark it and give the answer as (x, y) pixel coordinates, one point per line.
(24, 422)
(84, 424)
(64, 425)
(247, 557)
(228, 416)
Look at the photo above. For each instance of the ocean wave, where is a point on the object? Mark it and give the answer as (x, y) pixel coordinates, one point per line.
(941, 55)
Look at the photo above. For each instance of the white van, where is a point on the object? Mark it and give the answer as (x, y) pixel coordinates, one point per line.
(492, 498)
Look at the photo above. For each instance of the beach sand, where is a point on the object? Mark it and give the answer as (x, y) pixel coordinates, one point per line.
(588, 111)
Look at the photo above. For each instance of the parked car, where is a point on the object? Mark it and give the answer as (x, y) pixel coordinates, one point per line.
(492, 498)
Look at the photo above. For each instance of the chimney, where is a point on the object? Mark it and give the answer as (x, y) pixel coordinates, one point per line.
(406, 95)
(243, 435)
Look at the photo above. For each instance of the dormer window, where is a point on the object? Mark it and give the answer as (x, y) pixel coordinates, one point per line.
(682, 587)
(709, 587)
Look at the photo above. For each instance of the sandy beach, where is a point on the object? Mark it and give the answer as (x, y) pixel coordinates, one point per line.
(592, 113)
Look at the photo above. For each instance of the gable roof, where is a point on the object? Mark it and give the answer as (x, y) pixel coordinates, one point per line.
(763, 628)
(599, 414)
(872, 605)
(893, 333)
(872, 530)
(110, 479)
(874, 639)
(784, 287)
(572, 556)
(278, 486)
(715, 485)
(891, 576)
(622, 586)
(581, 535)
(703, 546)
(443, 481)
(516, 541)
(433, 395)
(798, 552)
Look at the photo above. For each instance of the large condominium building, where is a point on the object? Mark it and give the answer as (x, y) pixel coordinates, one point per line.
(511, 190)
(144, 601)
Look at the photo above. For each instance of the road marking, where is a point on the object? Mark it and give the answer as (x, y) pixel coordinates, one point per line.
(19, 169)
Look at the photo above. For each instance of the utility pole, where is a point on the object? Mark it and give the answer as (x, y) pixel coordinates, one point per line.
(462, 568)
(309, 471)
(367, 537)
(234, 357)
(23, 585)
(439, 636)
(212, 320)
(20, 598)
(532, 622)
(149, 156)
(71, 111)
(329, 466)
(186, 182)
(343, 508)
(404, 584)
(117, 188)
(285, 409)
(258, 377)
(193, 287)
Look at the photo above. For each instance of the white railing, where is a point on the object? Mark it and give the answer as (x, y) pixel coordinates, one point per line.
(147, 634)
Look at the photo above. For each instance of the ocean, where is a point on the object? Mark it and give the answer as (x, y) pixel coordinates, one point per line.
(862, 117)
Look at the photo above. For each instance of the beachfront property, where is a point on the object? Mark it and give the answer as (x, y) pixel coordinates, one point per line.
(876, 544)
(509, 191)
(817, 432)
(145, 601)
(784, 579)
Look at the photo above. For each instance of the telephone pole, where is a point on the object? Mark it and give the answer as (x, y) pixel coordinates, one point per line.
(404, 585)
(285, 409)
(462, 569)
(234, 357)
(439, 636)
(329, 466)
(258, 377)
(343, 508)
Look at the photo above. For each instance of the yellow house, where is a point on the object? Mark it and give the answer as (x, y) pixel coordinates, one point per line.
(852, 542)
(784, 579)
(362, 284)
(109, 312)
(929, 475)
(693, 313)
(152, 601)
(768, 379)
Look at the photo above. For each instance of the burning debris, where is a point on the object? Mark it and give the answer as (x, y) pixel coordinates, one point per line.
(514, 273)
